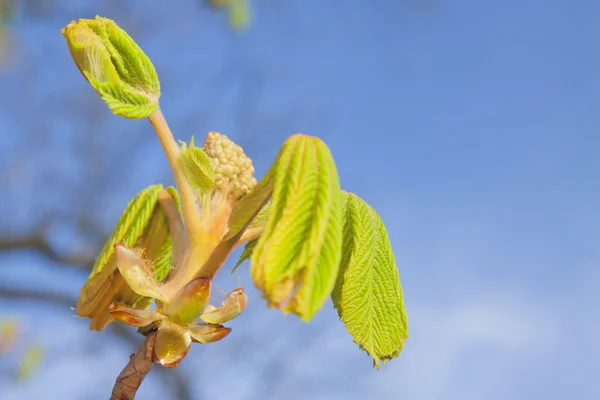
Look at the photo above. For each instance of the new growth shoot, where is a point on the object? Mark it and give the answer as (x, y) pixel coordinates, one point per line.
(306, 238)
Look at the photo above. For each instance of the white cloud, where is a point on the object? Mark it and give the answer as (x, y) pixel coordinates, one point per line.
(460, 350)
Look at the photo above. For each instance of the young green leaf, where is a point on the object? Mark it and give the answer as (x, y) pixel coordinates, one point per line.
(255, 228)
(197, 166)
(114, 65)
(246, 253)
(141, 225)
(131, 225)
(368, 294)
(296, 259)
(159, 239)
(246, 209)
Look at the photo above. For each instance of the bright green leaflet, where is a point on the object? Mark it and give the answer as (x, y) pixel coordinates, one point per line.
(131, 225)
(246, 253)
(297, 256)
(115, 66)
(197, 166)
(368, 295)
(143, 224)
(259, 221)
(248, 208)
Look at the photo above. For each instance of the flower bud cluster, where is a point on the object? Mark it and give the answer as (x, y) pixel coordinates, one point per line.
(233, 169)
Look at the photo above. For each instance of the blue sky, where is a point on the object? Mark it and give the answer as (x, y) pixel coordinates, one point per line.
(470, 126)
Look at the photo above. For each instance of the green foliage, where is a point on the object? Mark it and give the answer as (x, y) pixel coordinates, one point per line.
(297, 256)
(246, 210)
(143, 224)
(368, 295)
(261, 218)
(131, 225)
(114, 65)
(306, 239)
(246, 253)
(198, 167)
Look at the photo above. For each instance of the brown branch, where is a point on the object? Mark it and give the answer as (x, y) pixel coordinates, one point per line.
(26, 294)
(39, 243)
(130, 379)
(172, 376)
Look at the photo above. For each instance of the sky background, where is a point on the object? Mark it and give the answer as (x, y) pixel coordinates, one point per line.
(471, 127)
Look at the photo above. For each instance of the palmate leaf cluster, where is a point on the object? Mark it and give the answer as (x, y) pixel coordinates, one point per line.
(307, 240)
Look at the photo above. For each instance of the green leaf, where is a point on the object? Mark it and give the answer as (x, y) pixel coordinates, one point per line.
(255, 228)
(114, 65)
(368, 294)
(297, 256)
(246, 254)
(142, 225)
(197, 167)
(249, 207)
(156, 242)
(130, 227)
(173, 252)
(175, 195)
(260, 219)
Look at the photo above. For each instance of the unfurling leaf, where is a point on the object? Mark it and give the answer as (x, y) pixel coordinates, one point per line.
(368, 294)
(246, 209)
(296, 259)
(246, 254)
(114, 65)
(197, 166)
(142, 224)
(253, 231)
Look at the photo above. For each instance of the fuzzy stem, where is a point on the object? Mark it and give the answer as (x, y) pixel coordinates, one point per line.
(131, 377)
(171, 149)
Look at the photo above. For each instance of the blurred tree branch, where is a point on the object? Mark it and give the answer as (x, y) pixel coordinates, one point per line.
(38, 242)
(175, 379)
(35, 295)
